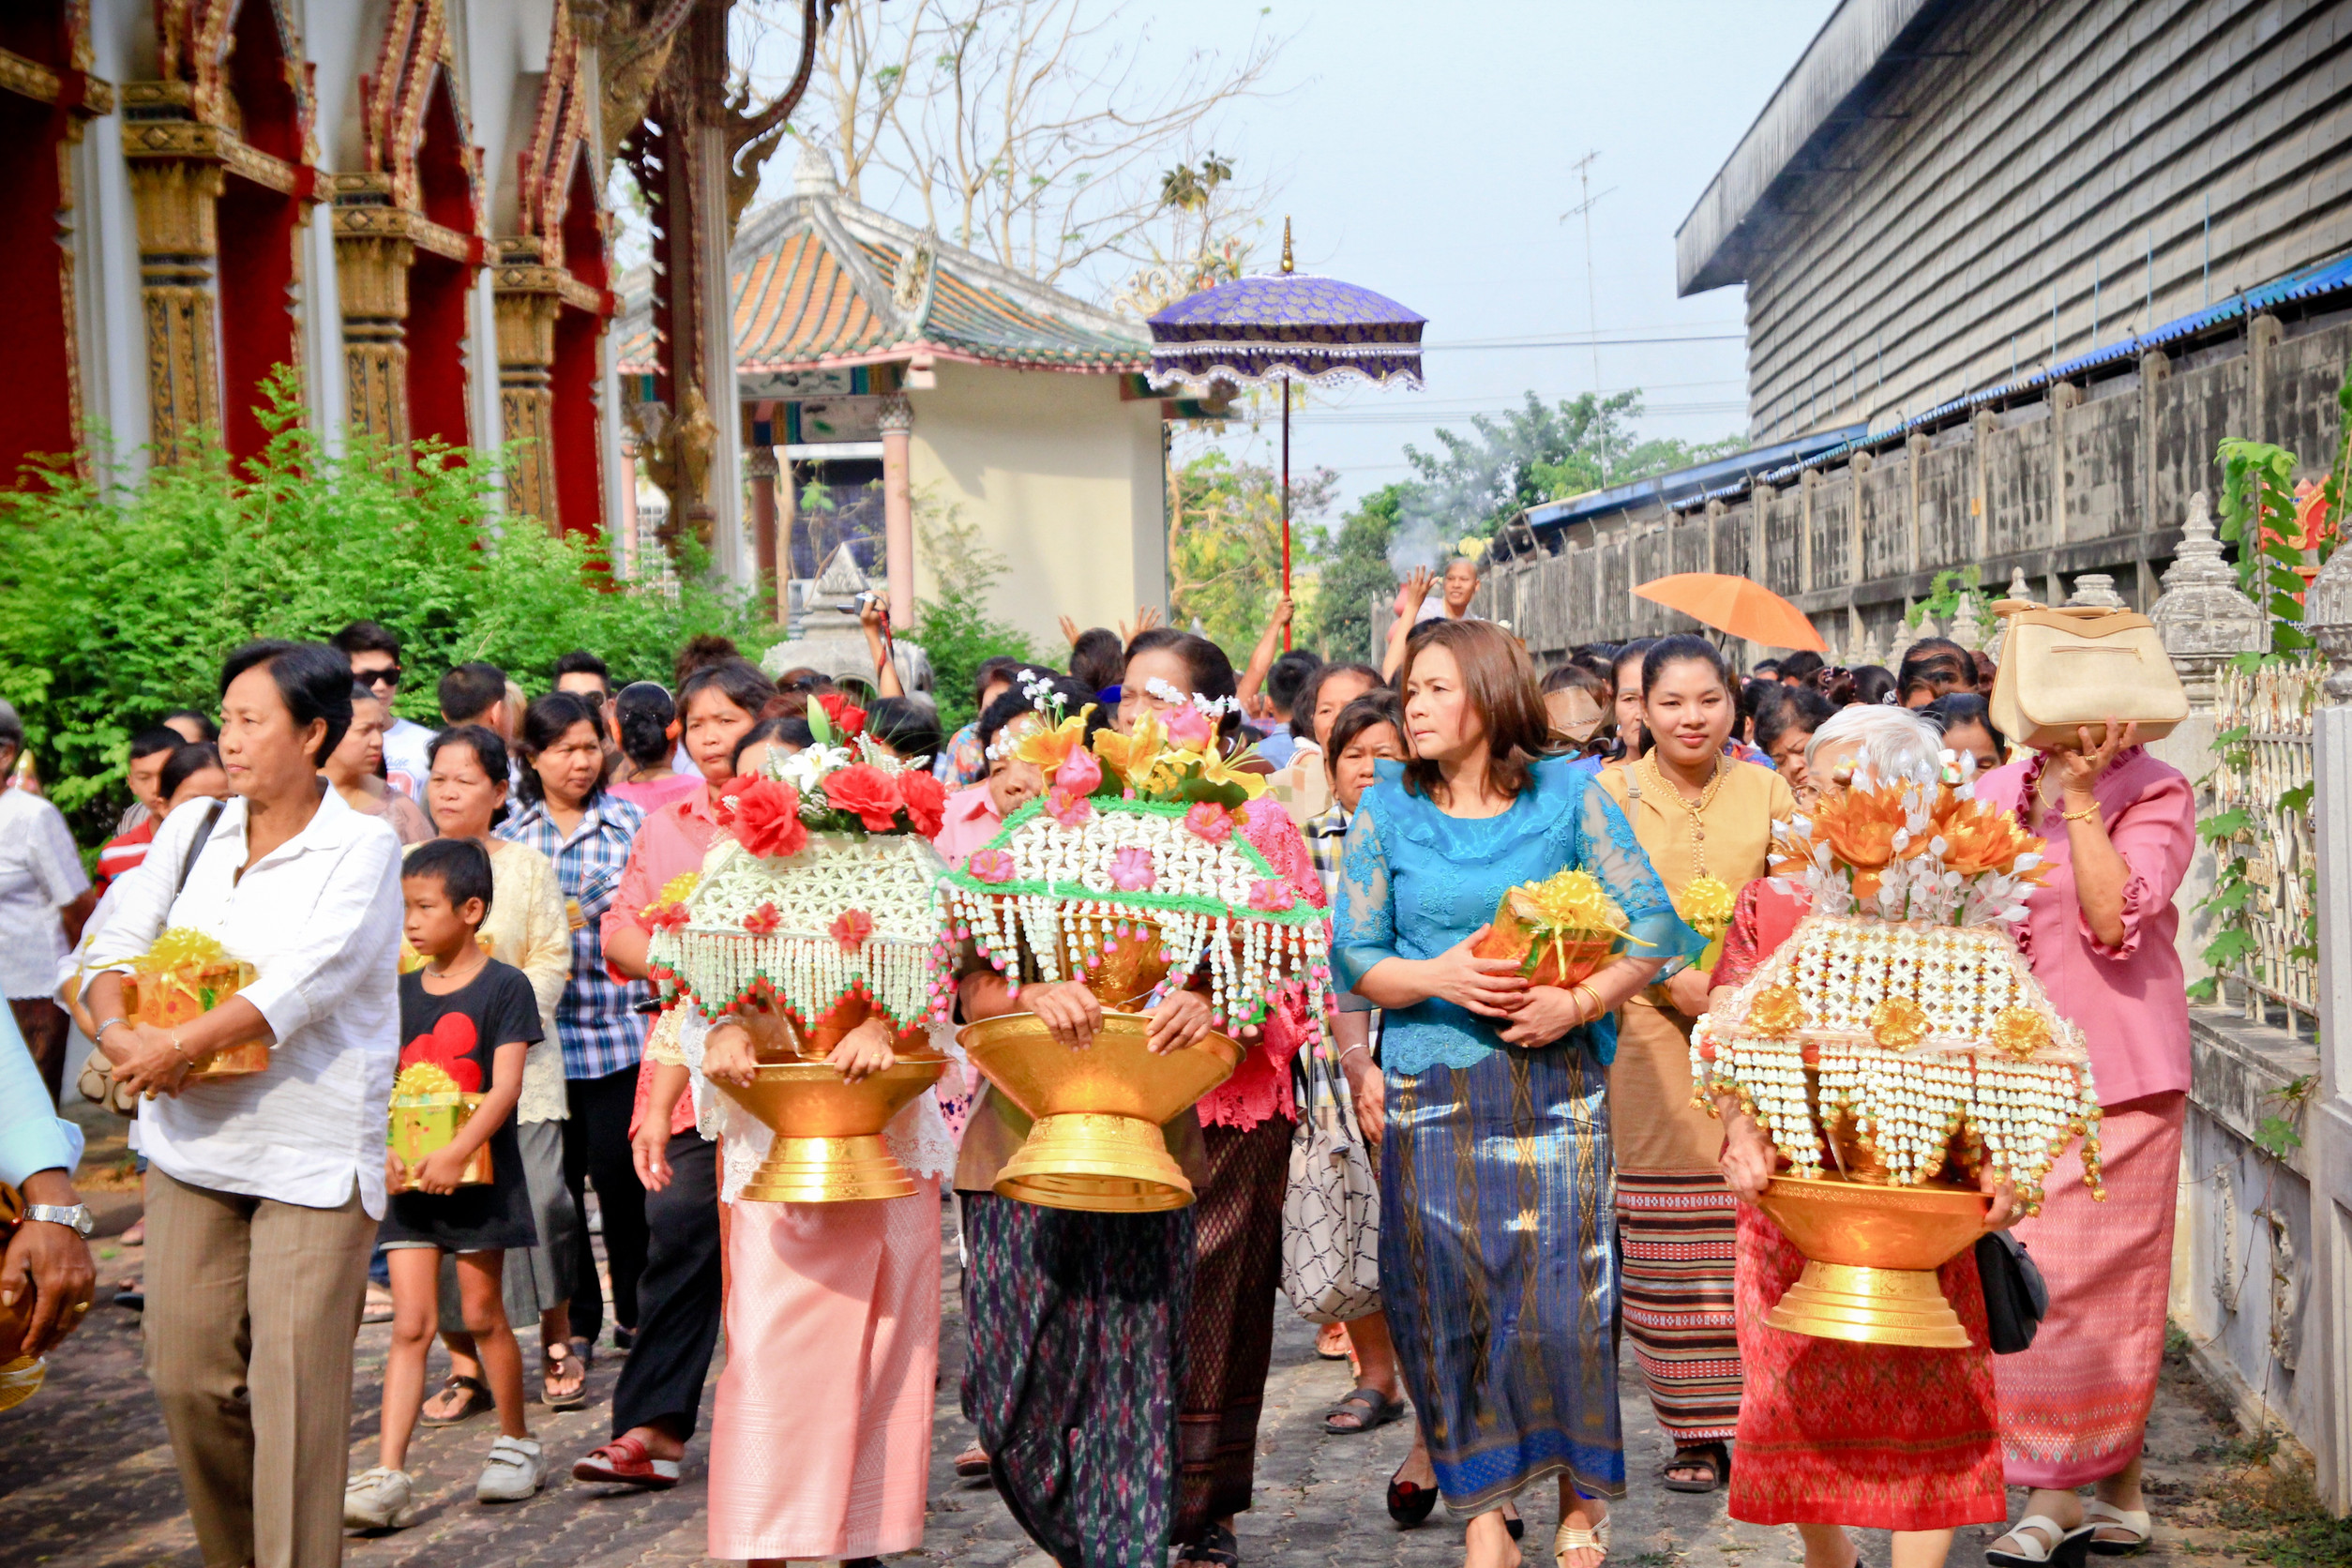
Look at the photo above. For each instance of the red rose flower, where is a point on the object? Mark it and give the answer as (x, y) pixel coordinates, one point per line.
(764, 816)
(867, 790)
(849, 719)
(926, 800)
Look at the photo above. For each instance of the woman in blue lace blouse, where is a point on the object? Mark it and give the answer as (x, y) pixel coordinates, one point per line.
(1496, 1218)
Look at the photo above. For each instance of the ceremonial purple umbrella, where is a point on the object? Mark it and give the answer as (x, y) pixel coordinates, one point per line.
(1280, 329)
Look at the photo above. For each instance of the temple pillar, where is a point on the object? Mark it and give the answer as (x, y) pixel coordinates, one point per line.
(372, 255)
(759, 466)
(527, 297)
(175, 180)
(786, 518)
(897, 432)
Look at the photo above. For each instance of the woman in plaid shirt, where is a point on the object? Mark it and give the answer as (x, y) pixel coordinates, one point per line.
(587, 830)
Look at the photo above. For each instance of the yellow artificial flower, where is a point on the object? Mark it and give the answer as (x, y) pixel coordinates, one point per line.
(1133, 757)
(1776, 1012)
(1705, 906)
(1221, 770)
(2020, 1031)
(177, 948)
(1047, 749)
(1898, 1023)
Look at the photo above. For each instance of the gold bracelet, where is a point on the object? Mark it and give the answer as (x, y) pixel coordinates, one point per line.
(1598, 1009)
(2086, 814)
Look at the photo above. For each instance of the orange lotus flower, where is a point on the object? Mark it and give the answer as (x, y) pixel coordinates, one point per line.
(1860, 827)
(1979, 836)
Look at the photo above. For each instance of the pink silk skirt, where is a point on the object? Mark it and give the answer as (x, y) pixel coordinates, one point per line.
(2075, 1408)
(820, 1441)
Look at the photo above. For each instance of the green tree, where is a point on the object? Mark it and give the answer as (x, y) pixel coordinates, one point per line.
(1355, 571)
(1542, 452)
(1225, 544)
(120, 600)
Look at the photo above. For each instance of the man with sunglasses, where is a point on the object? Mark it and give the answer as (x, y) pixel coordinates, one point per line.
(374, 652)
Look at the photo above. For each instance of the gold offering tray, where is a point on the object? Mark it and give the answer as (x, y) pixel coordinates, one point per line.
(1871, 1253)
(828, 1131)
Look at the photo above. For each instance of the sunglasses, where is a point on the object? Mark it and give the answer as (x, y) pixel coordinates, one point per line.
(389, 675)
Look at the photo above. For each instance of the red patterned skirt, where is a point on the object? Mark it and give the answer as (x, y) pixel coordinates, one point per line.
(1880, 1436)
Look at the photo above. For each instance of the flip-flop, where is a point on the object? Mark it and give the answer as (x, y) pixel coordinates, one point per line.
(1717, 1457)
(563, 1365)
(1369, 1406)
(2107, 1515)
(2068, 1547)
(477, 1399)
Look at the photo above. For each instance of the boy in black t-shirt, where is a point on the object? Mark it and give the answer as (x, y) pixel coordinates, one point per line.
(475, 1019)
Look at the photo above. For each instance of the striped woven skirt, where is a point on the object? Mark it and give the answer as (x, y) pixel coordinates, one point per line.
(1076, 1353)
(1677, 1224)
(2074, 1406)
(1497, 1271)
(1228, 1333)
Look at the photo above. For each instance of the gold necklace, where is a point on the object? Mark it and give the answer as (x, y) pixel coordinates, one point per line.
(1696, 811)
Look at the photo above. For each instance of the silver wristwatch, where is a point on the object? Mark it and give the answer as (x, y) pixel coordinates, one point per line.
(76, 1217)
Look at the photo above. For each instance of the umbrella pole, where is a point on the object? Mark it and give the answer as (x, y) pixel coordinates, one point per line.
(1286, 506)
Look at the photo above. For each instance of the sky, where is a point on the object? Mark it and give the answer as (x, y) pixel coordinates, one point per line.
(1427, 153)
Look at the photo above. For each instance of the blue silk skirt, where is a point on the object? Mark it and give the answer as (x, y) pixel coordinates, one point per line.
(1497, 1270)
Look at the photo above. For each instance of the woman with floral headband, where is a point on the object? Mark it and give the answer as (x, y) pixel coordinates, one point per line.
(1704, 819)
(1836, 1436)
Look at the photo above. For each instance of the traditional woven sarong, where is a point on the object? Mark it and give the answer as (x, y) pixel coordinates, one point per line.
(2074, 1406)
(1883, 1437)
(1075, 1322)
(1228, 1333)
(821, 1440)
(1677, 1234)
(1497, 1270)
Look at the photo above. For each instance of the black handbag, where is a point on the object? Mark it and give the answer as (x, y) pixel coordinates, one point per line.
(2016, 1297)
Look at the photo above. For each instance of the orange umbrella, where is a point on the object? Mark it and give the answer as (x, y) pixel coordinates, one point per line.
(1736, 606)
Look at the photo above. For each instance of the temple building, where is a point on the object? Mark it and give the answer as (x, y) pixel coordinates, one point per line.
(397, 204)
(889, 380)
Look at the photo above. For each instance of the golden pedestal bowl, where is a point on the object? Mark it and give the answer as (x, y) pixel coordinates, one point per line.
(1871, 1256)
(828, 1131)
(1097, 1143)
(169, 1004)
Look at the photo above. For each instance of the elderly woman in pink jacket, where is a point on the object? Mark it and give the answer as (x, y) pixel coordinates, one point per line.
(2099, 931)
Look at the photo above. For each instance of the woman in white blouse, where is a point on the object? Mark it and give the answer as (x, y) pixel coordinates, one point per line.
(44, 898)
(263, 1191)
(528, 929)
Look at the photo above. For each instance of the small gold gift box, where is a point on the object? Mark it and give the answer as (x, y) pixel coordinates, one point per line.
(1560, 932)
(185, 976)
(426, 1116)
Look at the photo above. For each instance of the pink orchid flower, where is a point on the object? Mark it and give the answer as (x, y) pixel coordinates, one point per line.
(1209, 821)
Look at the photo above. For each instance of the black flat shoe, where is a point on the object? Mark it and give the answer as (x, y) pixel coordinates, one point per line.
(1409, 1504)
(1516, 1526)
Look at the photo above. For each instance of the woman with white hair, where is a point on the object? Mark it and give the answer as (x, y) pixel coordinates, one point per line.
(1835, 1435)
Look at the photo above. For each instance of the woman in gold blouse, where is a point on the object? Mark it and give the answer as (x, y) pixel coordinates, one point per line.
(1705, 818)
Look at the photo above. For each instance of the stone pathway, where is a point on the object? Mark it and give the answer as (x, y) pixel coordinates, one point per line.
(86, 1479)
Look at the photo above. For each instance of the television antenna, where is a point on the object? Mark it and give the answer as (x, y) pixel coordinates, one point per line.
(1583, 169)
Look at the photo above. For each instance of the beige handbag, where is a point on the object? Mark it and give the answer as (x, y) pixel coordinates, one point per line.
(2082, 665)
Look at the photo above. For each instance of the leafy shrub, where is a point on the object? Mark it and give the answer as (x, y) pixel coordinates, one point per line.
(118, 602)
(953, 626)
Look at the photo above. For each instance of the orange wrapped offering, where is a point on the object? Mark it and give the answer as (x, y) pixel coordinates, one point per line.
(185, 974)
(1560, 931)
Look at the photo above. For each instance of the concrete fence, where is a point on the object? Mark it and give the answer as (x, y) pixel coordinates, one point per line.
(2086, 479)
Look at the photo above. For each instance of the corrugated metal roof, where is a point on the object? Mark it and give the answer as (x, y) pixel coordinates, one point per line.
(2324, 277)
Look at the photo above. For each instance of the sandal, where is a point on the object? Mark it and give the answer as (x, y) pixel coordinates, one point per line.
(2107, 1515)
(563, 1380)
(625, 1462)
(972, 1464)
(1369, 1408)
(1572, 1538)
(1409, 1504)
(1217, 1548)
(1713, 1455)
(474, 1398)
(1331, 1342)
(2066, 1547)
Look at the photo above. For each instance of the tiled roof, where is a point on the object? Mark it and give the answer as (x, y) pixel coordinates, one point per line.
(819, 281)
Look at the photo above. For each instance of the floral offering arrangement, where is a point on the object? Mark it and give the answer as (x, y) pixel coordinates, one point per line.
(1138, 843)
(820, 890)
(435, 1094)
(1560, 931)
(1897, 1036)
(185, 974)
